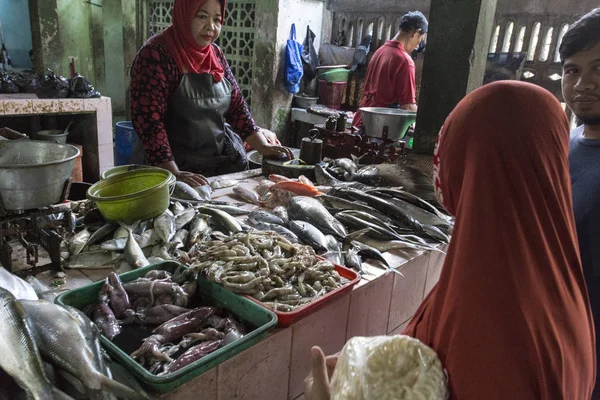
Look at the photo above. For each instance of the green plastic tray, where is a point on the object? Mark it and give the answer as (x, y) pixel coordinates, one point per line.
(335, 75)
(210, 294)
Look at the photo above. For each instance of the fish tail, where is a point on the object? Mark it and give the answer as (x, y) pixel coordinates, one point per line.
(121, 390)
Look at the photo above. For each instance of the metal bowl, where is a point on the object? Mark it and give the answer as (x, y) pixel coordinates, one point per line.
(34, 173)
(393, 121)
(303, 101)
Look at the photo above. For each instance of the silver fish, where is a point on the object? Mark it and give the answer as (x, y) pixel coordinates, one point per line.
(229, 209)
(148, 238)
(133, 252)
(79, 241)
(77, 358)
(177, 207)
(93, 259)
(179, 238)
(17, 286)
(162, 251)
(283, 231)
(20, 356)
(259, 216)
(305, 180)
(114, 244)
(184, 191)
(205, 191)
(263, 187)
(198, 227)
(247, 195)
(309, 235)
(223, 183)
(120, 233)
(164, 225)
(348, 166)
(311, 210)
(226, 221)
(99, 234)
(184, 218)
(334, 250)
(282, 213)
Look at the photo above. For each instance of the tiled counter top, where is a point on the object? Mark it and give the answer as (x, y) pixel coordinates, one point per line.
(24, 104)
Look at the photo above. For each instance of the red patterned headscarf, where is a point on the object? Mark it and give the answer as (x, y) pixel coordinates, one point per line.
(510, 316)
(182, 45)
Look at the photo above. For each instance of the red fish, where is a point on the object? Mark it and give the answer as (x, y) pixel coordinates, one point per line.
(298, 188)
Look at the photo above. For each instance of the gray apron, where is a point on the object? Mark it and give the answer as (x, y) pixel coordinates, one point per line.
(201, 141)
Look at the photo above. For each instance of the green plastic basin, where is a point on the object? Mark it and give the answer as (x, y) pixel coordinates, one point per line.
(134, 195)
(210, 294)
(335, 75)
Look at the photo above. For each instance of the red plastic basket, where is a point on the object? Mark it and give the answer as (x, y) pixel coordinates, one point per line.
(331, 93)
(288, 318)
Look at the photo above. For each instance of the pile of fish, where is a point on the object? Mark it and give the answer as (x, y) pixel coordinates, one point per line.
(40, 360)
(182, 335)
(166, 237)
(266, 266)
(183, 191)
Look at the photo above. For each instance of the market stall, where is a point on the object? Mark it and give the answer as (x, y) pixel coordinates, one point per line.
(229, 239)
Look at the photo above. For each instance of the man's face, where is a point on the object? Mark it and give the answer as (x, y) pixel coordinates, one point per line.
(416, 38)
(581, 84)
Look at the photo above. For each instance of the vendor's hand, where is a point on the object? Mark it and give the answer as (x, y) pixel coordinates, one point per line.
(316, 384)
(276, 152)
(194, 180)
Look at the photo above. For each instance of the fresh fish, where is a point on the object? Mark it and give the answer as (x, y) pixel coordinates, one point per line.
(155, 260)
(305, 180)
(278, 178)
(369, 218)
(143, 226)
(225, 221)
(382, 205)
(352, 259)
(79, 241)
(282, 213)
(356, 223)
(366, 252)
(43, 291)
(334, 250)
(179, 238)
(184, 191)
(205, 191)
(198, 229)
(119, 299)
(20, 356)
(120, 233)
(260, 216)
(340, 204)
(164, 225)
(283, 196)
(311, 210)
(177, 207)
(415, 200)
(148, 238)
(221, 183)
(132, 252)
(397, 175)
(283, 231)
(184, 218)
(324, 178)
(297, 188)
(229, 209)
(93, 259)
(263, 187)
(16, 286)
(309, 235)
(104, 231)
(114, 244)
(348, 166)
(247, 195)
(45, 319)
(424, 217)
(162, 251)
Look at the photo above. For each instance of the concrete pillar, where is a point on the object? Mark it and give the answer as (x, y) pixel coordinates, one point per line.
(45, 36)
(130, 46)
(97, 38)
(454, 65)
(114, 59)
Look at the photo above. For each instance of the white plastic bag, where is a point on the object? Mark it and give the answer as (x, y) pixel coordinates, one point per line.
(388, 367)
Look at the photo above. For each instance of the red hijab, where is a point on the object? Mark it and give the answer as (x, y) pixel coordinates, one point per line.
(182, 45)
(509, 317)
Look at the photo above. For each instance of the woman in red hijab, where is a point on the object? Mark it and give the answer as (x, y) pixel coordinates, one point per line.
(187, 109)
(509, 317)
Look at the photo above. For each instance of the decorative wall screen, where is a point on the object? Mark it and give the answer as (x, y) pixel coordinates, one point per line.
(236, 39)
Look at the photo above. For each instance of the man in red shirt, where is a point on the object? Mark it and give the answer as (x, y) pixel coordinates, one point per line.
(390, 80)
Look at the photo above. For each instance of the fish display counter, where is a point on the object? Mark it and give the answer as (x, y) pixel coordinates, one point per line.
(370, 239)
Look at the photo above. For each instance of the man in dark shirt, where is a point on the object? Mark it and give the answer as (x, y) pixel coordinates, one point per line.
(580, 56)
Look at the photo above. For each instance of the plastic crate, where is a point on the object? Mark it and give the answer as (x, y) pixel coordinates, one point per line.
(288, 318)
(210, 294)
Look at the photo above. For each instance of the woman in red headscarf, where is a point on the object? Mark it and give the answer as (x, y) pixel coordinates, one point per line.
(509, 317)
(187, 109)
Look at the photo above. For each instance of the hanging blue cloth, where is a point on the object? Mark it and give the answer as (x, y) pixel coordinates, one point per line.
(293, 63)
